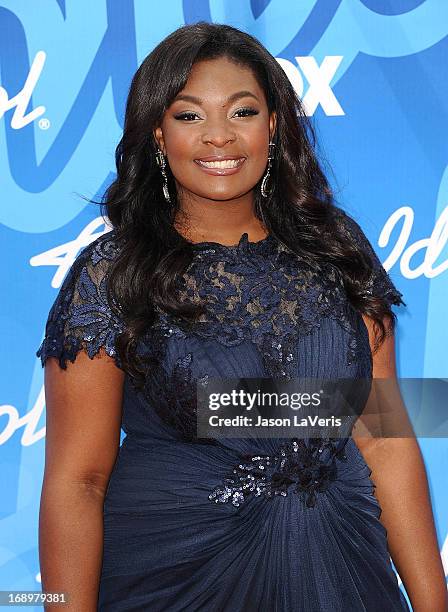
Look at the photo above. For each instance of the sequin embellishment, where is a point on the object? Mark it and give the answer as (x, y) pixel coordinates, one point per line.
(297, 467)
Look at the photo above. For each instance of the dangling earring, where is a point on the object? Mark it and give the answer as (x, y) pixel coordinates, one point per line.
(161, 162)
(265, 193)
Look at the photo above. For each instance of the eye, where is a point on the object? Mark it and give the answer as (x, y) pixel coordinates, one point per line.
(184, 116)
(249, 111)
(190, 115)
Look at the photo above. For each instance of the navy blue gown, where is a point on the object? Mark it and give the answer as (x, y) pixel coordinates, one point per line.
(194, 525)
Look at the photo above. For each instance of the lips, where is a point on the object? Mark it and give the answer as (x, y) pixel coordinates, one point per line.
(219, 157)
(220, 165)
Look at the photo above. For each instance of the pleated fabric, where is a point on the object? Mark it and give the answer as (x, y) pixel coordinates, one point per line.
(169, 548)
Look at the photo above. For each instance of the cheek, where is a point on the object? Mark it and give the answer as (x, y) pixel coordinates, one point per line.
(257, 140)
(256, 147)
(180, 145)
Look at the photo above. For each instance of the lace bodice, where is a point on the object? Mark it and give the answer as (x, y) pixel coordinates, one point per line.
(256, 292)
(268, 314)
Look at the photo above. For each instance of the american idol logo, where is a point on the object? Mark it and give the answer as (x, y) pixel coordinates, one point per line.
(21, 100)
(431, 247)
(326, 51)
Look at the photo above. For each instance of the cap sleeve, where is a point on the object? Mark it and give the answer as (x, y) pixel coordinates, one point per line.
(380, 283)
(80, 317)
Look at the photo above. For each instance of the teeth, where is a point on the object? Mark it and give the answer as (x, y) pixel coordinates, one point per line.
(225, 163)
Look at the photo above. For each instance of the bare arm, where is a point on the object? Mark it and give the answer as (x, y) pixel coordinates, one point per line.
(402, 491)
(83, 406)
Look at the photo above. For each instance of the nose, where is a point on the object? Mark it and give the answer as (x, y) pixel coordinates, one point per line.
(219, 133)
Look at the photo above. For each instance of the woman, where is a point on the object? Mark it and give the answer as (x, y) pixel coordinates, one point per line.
(227, 258)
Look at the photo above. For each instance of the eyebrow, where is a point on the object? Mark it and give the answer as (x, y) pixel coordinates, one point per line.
(235, 96)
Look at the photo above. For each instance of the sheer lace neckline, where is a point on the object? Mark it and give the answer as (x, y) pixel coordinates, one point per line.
(244, 245)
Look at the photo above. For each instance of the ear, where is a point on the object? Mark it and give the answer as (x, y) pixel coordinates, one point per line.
(272, 124)
(158, 137)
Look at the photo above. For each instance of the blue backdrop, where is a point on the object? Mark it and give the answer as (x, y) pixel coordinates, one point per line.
(372, 74)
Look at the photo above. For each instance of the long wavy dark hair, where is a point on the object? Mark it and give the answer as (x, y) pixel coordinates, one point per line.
(298, 212)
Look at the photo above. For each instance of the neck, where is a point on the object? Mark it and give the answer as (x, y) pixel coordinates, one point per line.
(202, 219)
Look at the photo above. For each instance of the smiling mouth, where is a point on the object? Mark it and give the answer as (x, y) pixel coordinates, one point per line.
(223, 164)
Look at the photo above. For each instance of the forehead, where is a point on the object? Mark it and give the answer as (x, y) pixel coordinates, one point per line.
(216, 79)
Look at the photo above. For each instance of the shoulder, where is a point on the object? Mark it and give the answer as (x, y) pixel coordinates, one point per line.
(380, 283)
(82, 315)
(349, 226)
(101, 251)
(92, 263)
(353, 234)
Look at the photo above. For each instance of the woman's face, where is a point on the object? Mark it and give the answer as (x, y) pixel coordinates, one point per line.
(221, 112)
